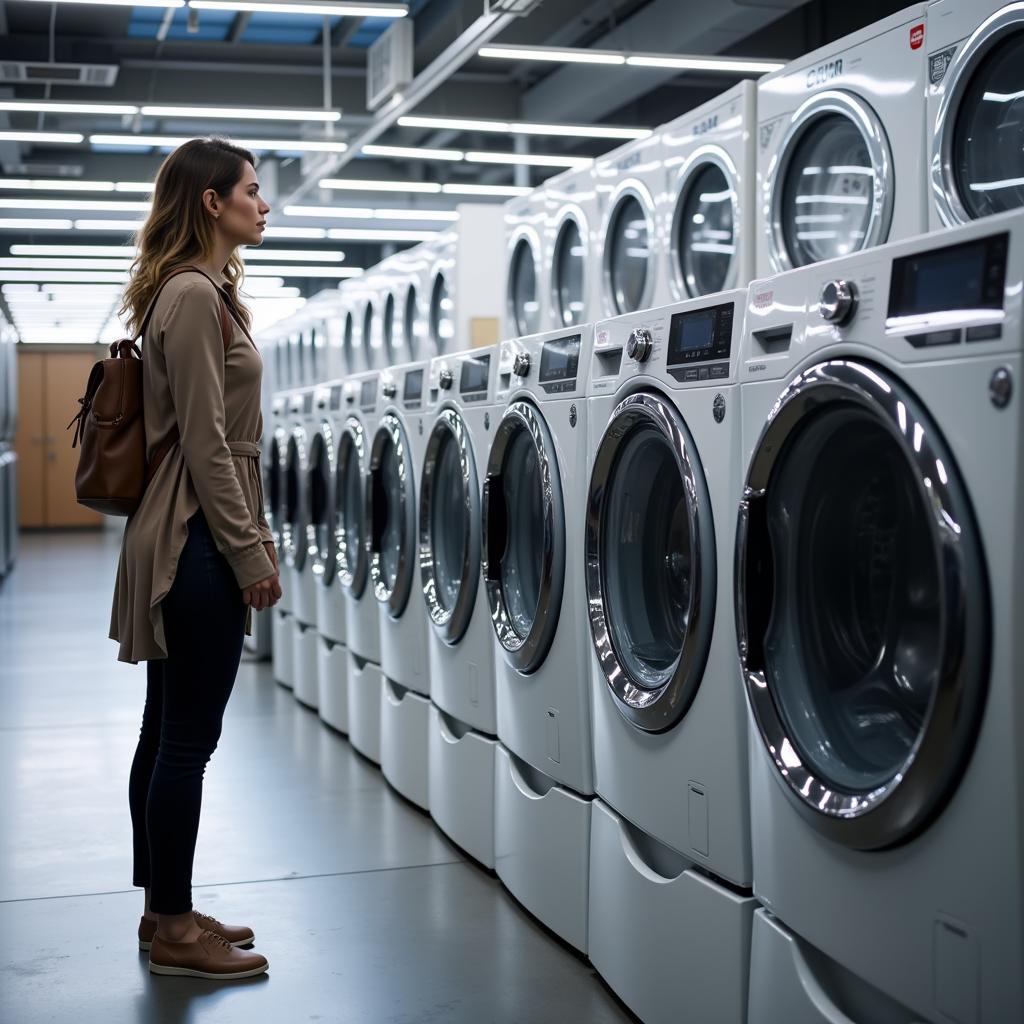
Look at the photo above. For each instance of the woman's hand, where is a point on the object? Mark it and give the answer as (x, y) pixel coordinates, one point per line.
(272, 554)
(264, 594)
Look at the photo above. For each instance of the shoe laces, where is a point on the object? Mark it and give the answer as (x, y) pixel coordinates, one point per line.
(219, 940)
(209, 923)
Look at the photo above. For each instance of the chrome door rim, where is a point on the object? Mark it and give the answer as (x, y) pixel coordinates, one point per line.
(525, 653)
(642, 706)
(294, 537)
(944, 191)
(450, 624)
(700, 158)
(396, 597)
(576, 215)
(634, 189)
(896, 811)
(351, 566)
(325, 559)
(523, 235)
(856, 110)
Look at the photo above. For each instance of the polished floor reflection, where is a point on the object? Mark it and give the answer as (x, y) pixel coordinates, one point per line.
(365, 912)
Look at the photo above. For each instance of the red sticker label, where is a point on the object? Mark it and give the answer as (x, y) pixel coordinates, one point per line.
(916, 37)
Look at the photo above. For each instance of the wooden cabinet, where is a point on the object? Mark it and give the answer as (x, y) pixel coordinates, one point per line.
(49, 386)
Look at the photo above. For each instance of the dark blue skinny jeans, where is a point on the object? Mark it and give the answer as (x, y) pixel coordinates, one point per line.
(186, 694)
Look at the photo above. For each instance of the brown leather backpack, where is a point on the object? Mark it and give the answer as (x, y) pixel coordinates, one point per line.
(112, 472)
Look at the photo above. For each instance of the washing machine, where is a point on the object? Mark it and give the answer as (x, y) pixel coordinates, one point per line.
(462, 743)
(630, 248)
(670, 857)
(526, 296)
(332, 655)
(841, 146)
(708, 217)
(392, 515)
(356, 427)
(572, 267)
(534, 488)
(975, 109)
(878, 605)
(347, 314)
(276, 484)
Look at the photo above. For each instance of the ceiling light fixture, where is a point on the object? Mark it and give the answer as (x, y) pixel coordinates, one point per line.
(365, 185)
(378, 235)
(413, 152)
(129, 252)
(59, 107)
(127, 226)
(242, 113)
(28, 225)
(454, 189)
(469, 124)
(277, 232)
(69, 138)
(257, 145)
(327, 8)
(733, 65)
(55, 185)
(343, 212)
(552, 53)
(527, 159)
(95, 205)
(117, 3)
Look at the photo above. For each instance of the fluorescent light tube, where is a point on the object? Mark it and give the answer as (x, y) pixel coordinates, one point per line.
(527, 159)
(30, 224)
(97, 205)
(57, 107)
(364, 185)
(327, 8)
(344, 212)
(413, 152)
(455, 189)
(551, 53)
(469, 124)
(127, 226)
(242, 113)
(735, 65)
(256, 145)
(71, 138)
(378, 235)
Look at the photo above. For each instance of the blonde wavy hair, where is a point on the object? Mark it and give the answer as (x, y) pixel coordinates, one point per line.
(178, 229)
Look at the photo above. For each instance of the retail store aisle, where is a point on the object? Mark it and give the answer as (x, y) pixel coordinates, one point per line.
(365, 912)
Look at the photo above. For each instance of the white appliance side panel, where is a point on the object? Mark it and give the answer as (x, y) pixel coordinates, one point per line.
(402, 643)
(462, 676)
(282, 644)
(404, 736)
(304, 677)
(332, 683)
(364, 697)
(330, 612)
(362, 626)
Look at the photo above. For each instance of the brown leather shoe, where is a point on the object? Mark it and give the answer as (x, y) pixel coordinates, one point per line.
(210, 956)
(236, 934)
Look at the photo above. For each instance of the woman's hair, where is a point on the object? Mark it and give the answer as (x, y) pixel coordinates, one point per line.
(178, 229)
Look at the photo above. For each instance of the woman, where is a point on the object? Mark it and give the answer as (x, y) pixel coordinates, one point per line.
(197, 554)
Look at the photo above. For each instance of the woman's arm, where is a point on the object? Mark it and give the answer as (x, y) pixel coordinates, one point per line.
(194, 356)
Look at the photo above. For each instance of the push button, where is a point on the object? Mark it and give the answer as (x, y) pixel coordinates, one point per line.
(690, 374)
(950, 337)
(985, 332)
(719, 370)
(703, 373)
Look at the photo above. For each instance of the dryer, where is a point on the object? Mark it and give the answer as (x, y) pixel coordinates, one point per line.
(332, 664)
(670, 843)
(357, 426)
(975, 109)
(841, 147)
(535, 481)
(571, 270)
(878, 606)
(630, 247)
(462, 416)
(526, 294)
(392, 514)
(708, 217)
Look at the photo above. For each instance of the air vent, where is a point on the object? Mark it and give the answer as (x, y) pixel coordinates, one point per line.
(39, 72)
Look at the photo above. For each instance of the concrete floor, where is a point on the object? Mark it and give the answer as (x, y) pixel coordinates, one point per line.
(365, 912)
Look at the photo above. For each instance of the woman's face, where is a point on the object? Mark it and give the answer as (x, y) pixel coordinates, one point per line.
(244, 212)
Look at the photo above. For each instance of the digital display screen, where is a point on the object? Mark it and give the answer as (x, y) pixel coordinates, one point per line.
(474, 375)
(701, 335)
(413, 390)
(698, 331)
(957, 277)
(368, 392)
(559, 359)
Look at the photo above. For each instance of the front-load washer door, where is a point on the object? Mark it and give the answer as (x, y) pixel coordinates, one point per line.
(523, 307)
(861, 605)
(295, 517)
(524, 536)
(273, 484)
(350, 508)
(322, 477)
(650, 562)
(628, 240)
(441, 324)
(568, 270)
(391, 515)
(830, 187)
(977, 162)
(705, 224)
(450, 527)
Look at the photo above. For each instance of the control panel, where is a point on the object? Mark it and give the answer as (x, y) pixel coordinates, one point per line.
(554, 364)
(473, 377)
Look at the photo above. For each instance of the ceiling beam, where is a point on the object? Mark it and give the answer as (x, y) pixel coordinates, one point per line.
(239, 25)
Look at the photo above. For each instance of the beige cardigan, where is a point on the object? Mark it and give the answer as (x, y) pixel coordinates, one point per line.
(214, 398)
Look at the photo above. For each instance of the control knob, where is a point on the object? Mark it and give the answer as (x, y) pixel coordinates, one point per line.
(388, 389)
(838, 302)
(521, 364)
(446, 379)
(640, 344)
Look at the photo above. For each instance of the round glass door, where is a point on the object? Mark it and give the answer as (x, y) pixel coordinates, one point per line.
(449, 527)
(409, 323)
(569, 264)
(627, 255)
(391, 515)
(388, 323)
(369, 338)
(442, 330)
(321, 484)
(524, 530)
(862, 605)
(704, 231)
(348, 343)
(293, 524)
(522, 298)
(349, 529)
(650, 562)
(272, 484)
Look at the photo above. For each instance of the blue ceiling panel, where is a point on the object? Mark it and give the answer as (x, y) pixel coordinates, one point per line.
(286, 29)
(213, 25)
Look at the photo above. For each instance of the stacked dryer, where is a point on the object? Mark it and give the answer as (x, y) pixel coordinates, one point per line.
(527, 298)
(532, 547)
(460, 641)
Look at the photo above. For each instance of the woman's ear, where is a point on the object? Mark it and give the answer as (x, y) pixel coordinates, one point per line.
(212, 203)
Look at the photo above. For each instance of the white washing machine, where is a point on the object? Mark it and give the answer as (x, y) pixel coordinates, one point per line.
(534, 489)
(708, 217)
(841, 146)
(879, 599)
(526, 296)
(347, 313)
(357, 425)
(392, 514)
(670, 725)
(282, 621)
(572, 273)
(975, 109)
(460, 641)
(630, 248)
(332, 655)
